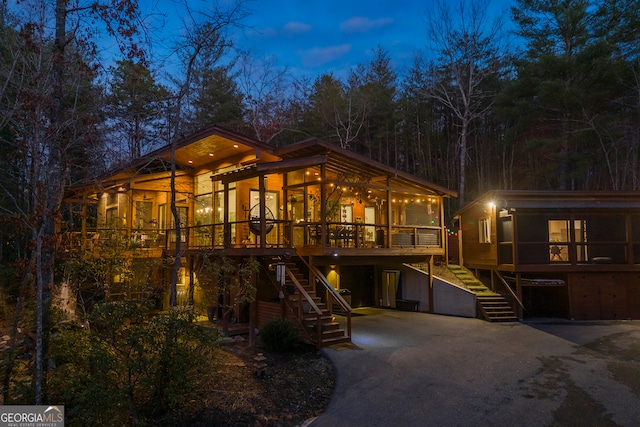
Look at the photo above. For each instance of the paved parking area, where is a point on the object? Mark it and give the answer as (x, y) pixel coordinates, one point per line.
(417, 369)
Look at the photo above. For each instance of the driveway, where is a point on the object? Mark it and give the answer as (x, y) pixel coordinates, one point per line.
(417, 369)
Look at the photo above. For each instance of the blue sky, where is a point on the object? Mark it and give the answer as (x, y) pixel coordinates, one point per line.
(315, 37)
(312, 37)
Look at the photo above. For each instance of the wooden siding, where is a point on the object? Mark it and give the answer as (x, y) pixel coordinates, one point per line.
(474, 252)
(596, 296)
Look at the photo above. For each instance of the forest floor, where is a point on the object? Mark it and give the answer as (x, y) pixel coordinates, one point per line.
(293, 388)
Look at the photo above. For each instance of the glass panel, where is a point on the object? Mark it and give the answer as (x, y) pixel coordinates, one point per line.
(369, 218)
(182, 213)
(203, 184)
(484, 230)
(558, 253)
(422, 211)
(295, 177)
(218, 207)
(559, 230)
(143, 215)
(162, 217)
(605, 238)
(111, 218)
(203, 214)
(112, 199)
(296, 207)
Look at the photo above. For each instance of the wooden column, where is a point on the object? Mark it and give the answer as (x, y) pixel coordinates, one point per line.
(430, 268)
(519, 294)
(323, 206)
(263, 211)
(227, 226)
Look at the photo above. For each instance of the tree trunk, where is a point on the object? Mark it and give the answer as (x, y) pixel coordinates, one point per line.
(173, 292)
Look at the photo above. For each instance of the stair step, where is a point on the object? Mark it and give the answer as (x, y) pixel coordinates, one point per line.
(333, 341)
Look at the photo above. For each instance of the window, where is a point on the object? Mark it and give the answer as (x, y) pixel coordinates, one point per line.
(143, 214)
(203, 199)
(484, 230)
(559, 239)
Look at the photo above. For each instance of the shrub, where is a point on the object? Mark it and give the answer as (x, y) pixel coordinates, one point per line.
(134, 365)
(280, 335)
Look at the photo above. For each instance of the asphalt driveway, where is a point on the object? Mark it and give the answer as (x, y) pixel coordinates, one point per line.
(416, 369)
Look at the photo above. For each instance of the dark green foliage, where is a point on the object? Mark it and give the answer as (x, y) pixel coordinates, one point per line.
(128, 368)
(280, 335)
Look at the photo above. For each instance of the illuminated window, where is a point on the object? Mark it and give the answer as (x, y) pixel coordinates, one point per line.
(484, 230)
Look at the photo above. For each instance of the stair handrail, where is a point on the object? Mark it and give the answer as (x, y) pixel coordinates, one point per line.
(288, 303)
(303, 291)
(506, 285)
(332, 291)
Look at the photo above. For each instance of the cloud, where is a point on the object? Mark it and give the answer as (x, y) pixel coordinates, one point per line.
(360, 24)
(296, 28)
(319, 56)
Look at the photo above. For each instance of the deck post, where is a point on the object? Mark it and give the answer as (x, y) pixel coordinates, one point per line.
(519, 294)
(430, 267)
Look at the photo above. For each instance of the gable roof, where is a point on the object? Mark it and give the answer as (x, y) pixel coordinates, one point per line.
(342, 161)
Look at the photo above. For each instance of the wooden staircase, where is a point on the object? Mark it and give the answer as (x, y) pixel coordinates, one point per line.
(309, 320)
(492, 306)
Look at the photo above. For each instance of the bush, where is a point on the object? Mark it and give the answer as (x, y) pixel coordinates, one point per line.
(134, 365)
(280, 335)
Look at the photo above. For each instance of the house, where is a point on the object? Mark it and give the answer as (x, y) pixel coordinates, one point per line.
(318, 218)
(572, 255)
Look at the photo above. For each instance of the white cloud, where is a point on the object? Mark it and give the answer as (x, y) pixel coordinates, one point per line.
(361, 24)
(319, 56)
(296, 28)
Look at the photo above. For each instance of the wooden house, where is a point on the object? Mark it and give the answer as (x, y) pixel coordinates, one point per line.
(572, 254)
(318, 218)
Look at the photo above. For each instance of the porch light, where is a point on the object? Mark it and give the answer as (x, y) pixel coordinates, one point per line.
(334, 254)
(492, 205)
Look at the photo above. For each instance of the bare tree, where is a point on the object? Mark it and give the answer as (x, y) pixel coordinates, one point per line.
(45, 78)
(267, 105)
(467, 52)
(206, 34)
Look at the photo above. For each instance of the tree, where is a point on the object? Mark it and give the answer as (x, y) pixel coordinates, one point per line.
(47, 74)
(206, 36)
(135, 107)
(222, 279)
(337, 110)
(217, 98)
(264, 86)
(566, 94)
(467, 52)
(379, 91)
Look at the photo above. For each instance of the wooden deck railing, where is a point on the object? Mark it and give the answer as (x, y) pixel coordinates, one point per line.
(281, 234)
